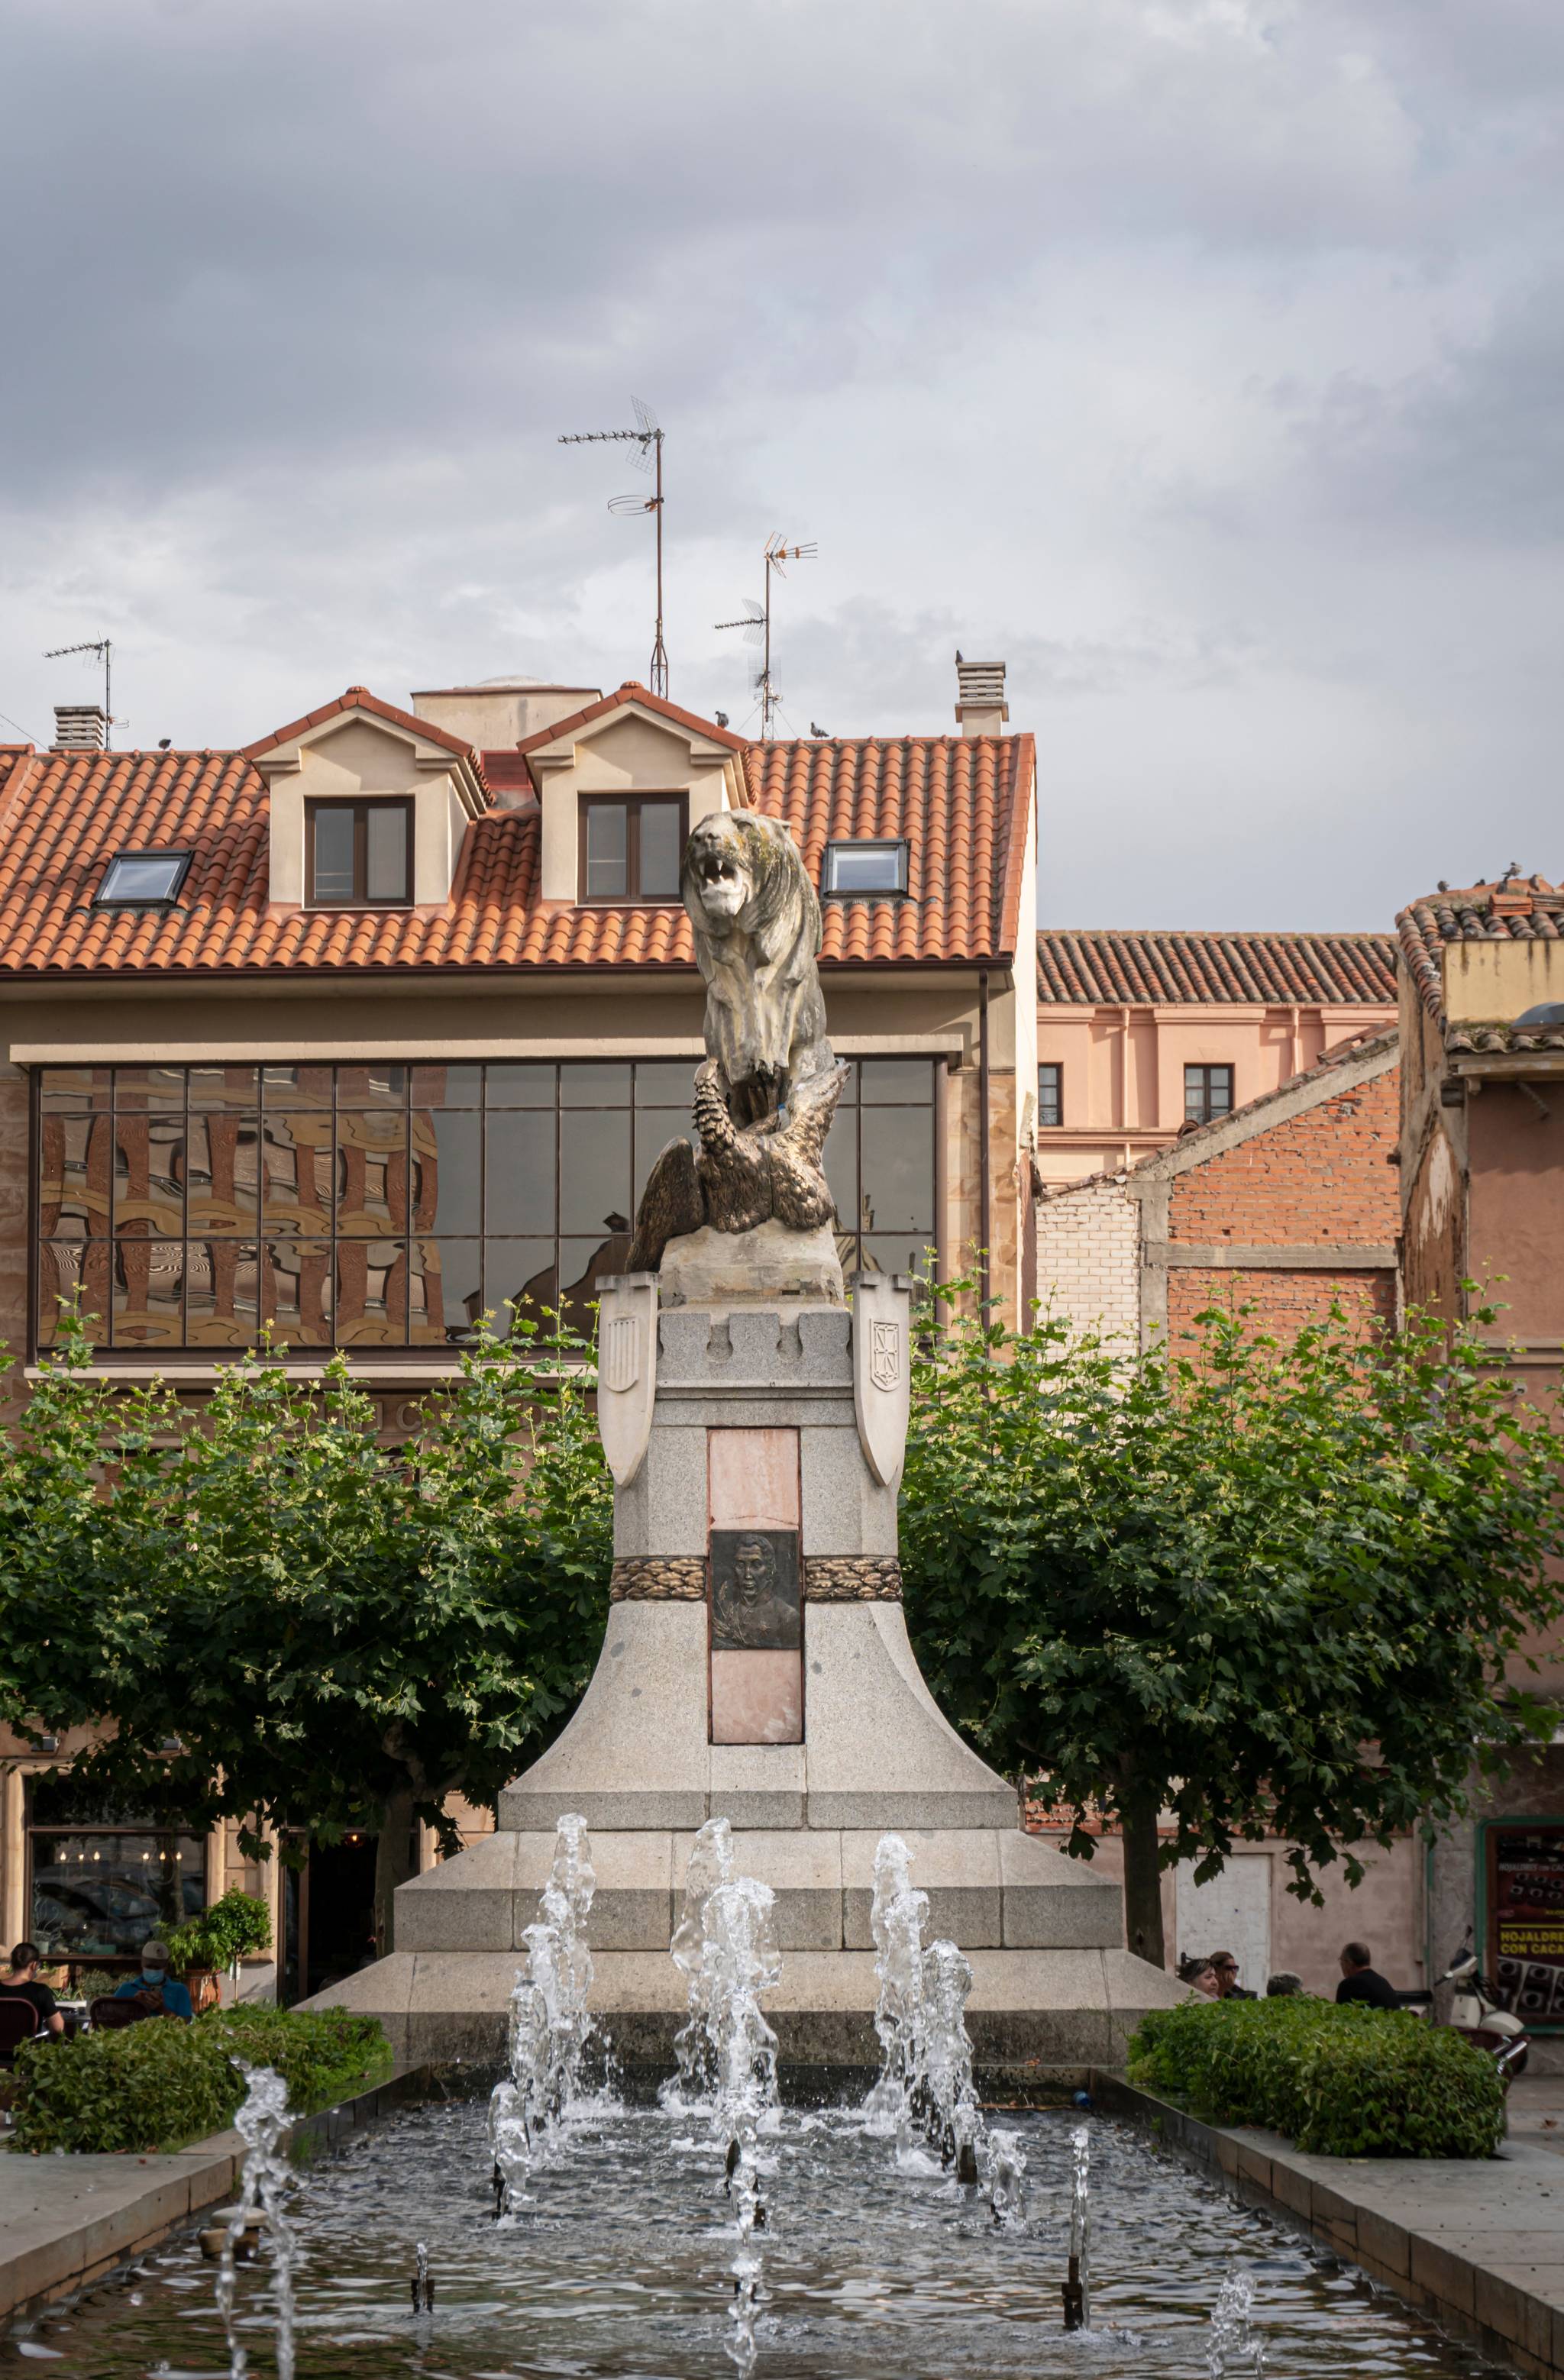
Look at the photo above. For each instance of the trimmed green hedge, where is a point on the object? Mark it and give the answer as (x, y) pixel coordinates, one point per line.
(1340, 2082)
(162, 2083)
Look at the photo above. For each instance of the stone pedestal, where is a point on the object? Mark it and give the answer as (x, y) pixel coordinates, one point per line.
(756, 1665)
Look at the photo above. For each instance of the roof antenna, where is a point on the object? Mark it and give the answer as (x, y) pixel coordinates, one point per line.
(756, 624)
(648, 438)
(103, 649)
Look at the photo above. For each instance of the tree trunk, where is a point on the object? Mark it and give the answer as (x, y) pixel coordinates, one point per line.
(1143, 1876)
(395, 1860)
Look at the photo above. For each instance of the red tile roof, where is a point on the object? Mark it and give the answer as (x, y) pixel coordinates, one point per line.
(1511, 909)
(1168, 969)
(963, 803)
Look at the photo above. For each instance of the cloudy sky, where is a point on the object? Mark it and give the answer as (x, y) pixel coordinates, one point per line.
(1200, 359)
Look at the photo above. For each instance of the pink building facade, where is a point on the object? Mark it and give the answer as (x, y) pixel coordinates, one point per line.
(1140, 1033)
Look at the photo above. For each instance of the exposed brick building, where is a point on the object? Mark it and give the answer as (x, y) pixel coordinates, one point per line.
(1289, 1204)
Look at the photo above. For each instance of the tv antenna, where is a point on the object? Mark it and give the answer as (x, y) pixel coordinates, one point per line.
(103, 649)
(647, 437)
(757, 623)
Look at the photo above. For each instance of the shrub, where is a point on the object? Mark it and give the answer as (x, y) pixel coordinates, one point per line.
(1340, 2082)
(222, 1934)
(159, 2084)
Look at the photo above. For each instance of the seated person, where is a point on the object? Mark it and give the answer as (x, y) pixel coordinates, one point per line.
(1359, 1981)
(22, 1982)
(1224, 1966)
(155, 1988)
(1201, 1976)
(1284, 1987)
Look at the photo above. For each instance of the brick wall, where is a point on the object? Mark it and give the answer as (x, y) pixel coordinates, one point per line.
(1320, 1175)
(1283, 1301)
(1088, 1254)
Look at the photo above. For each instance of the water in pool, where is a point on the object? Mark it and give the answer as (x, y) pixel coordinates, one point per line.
(618, 2262)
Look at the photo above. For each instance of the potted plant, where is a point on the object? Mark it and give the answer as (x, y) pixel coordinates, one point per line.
(214, 1942)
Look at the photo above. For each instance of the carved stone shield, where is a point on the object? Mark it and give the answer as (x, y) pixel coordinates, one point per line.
(882, 1368)
(627, 1369)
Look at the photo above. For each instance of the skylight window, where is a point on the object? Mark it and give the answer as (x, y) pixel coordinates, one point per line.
(866, 867)
(143, 879)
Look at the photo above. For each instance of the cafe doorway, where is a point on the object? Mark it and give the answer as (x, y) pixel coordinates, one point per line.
(329, 1916)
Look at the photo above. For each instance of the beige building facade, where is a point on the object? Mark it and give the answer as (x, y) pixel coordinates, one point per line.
(363, 1030)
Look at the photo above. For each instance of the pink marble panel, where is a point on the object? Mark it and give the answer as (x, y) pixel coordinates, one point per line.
(754, 1480)
(758, 1697)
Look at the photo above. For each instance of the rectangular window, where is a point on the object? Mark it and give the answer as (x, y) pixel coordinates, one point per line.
(630, 849)
(1207, 1093)
(880, 1163)
(1050, 1097)
(102, 1881)
(865, 867)
(137, 879)
(359, 1205)
(359, 853)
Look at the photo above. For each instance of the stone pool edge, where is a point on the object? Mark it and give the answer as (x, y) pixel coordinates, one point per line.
(1435, 2230)
(45, 2258)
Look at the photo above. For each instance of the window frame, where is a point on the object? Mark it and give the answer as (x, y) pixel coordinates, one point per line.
(894, 843)
(1205, 1068)
(633, 803)
(103, 899)
(359, 804)
(1056, 1068)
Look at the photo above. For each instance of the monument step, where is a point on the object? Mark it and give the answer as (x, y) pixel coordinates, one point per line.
(987, 1890)
(1059, 2007)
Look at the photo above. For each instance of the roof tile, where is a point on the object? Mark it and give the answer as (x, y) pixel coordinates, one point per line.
(1170, 969)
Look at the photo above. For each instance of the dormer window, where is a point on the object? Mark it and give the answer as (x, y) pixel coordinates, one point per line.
(866, 867)
(141, 879)
(358, 855)
(630, 847)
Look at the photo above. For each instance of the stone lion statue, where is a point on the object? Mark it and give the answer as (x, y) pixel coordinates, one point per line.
(765, 1097)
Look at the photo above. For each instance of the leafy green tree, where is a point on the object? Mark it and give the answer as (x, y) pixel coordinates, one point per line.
(270, 1615)
(1259, 1587)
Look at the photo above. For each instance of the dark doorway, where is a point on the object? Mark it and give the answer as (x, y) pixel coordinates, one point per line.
(332, 1915)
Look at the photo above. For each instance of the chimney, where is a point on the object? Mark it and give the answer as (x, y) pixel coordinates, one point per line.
(980, 696)
(81, 728)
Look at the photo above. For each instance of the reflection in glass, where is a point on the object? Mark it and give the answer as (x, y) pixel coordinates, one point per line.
(447, 1290)
(520, 1085)
(294, 1086)
(447, 1170)
(62, 1090)
(75, 1152)
(148, 1292)
(372, 1294)
(608, 850)
(896, 1252)
(232, 1087)
(296, 1171)
(148, 1163)
(73, 1269)
(898, 1081)
(665, 1081)
(842, 1167)
(370, 1086)
(334, 831)
(101, 1896)
(385, 851)
(372, 1173)
(295, 1290)
(221, 1294)
(660, 851)
(520, 1187)
(595, 1083)
(594, 1170)
(145, 1088)
(519, 1272)
(222, 1174)
(897, 1170)
(447, 1087)
(581, 1264)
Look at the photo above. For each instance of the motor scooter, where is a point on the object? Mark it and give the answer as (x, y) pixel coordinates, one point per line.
(1475, 2014)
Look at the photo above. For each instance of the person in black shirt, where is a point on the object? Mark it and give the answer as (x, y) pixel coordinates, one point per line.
(1359, 1981)
(22, 1983)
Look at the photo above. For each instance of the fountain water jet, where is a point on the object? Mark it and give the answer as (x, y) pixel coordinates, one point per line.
(1078, 2283)
(549, 2024)
(711, 1864)
(265, 2186)
(896, 1921)
(1233, 2346)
